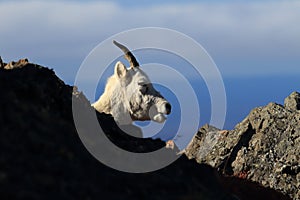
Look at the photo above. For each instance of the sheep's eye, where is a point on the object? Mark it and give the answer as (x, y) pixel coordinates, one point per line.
(144, 88)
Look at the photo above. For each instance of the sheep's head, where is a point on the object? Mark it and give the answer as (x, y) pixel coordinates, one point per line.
(141, 99)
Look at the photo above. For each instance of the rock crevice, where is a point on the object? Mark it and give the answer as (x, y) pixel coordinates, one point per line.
(263, 148)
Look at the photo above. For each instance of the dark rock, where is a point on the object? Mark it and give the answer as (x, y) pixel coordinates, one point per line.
(1, 63)
(263, 148)
(42, 156)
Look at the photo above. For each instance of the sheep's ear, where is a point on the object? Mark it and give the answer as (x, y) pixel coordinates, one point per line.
(120, 70)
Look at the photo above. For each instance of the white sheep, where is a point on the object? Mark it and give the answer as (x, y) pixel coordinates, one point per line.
(129, 95)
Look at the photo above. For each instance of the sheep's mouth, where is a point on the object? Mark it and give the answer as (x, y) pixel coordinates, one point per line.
(158, 117)
(156, 113)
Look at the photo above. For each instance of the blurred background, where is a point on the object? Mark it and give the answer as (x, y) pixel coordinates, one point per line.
(255, 45)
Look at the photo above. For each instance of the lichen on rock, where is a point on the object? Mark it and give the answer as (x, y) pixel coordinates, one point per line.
(263, 148)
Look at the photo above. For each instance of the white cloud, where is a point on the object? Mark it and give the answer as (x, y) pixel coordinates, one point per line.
(243, 38)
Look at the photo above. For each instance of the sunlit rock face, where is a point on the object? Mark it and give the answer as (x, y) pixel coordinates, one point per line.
(263, 148)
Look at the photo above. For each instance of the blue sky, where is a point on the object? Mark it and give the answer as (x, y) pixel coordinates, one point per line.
(256, 45)
(256, 38)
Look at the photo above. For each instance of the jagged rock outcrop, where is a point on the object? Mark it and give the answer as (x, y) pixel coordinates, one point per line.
(292, 102)
(12, 65)
(263, 148)
(42, 156)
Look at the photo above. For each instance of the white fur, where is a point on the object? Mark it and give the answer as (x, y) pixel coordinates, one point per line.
(127, 98)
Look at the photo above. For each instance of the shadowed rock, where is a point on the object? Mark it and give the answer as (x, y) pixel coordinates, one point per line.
(42, 156)
(1, 63)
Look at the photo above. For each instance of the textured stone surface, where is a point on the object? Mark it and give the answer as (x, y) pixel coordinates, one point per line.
(292, 102)
(263, 148)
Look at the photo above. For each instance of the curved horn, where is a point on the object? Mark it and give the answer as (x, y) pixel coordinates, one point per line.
(128, 55)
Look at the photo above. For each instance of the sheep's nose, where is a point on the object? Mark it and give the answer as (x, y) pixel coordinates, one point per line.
(168, 108)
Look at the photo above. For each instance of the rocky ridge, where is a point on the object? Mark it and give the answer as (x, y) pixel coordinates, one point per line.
(263, 148)
(42, 156)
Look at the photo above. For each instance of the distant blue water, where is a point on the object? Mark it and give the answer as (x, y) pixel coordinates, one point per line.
(243, 94)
